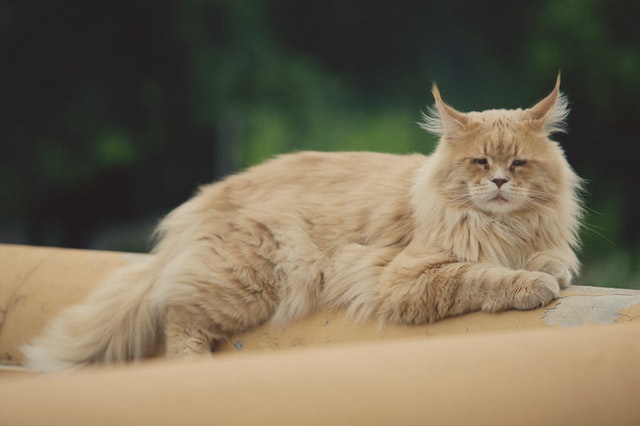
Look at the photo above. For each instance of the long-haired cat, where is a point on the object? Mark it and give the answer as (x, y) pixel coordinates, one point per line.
(488, 222)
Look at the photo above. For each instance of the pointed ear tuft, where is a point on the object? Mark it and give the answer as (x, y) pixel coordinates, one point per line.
(551, 112)
(441, 119)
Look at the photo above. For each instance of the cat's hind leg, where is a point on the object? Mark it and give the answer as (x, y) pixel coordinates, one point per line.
(215, 282)
(194, 327)
(204, 306)
(188, 333)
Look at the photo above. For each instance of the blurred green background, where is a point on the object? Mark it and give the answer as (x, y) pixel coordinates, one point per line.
(111, 113)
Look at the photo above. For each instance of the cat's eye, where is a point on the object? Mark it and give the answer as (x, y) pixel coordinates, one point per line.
(518, 163)
(480, 161)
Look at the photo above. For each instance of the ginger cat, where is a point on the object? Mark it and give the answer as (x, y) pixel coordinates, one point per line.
(489, 221)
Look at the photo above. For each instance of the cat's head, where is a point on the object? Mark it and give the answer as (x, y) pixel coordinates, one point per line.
(501, 162)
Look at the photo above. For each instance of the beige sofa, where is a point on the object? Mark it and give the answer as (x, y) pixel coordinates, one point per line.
(576, 361)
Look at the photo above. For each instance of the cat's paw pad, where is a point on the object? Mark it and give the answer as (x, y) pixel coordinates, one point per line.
(537, 289)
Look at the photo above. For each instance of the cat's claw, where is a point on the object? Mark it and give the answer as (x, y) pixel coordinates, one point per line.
(539, 290)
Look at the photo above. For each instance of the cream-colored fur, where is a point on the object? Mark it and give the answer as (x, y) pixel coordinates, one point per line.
(488, 222)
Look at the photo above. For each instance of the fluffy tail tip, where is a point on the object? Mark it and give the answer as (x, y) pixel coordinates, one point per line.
(37, 358)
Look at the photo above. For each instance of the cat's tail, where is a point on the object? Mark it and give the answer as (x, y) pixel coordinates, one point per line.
(118, 321)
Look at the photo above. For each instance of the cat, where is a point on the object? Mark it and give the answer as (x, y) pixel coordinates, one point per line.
(489, 221)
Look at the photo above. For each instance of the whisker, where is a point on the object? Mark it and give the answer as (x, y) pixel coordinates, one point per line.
(541, 206)
(590, 210)
(536, 193)
(592, 229)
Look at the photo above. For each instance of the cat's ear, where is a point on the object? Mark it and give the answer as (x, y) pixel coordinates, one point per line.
(549, 114)
(441, 119)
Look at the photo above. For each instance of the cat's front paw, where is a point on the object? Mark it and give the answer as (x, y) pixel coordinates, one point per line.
(534, 290)
(563, 276)
(554, 268)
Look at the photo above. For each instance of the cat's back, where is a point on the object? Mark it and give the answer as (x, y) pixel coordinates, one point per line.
(338, 196)
(335, 165)
(321, 177)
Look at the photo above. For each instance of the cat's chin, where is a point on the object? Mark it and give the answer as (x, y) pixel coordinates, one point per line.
(498, 206)
(496, 202)
(500, 199)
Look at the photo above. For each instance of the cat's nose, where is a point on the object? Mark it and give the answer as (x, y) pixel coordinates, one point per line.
(499, 181)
